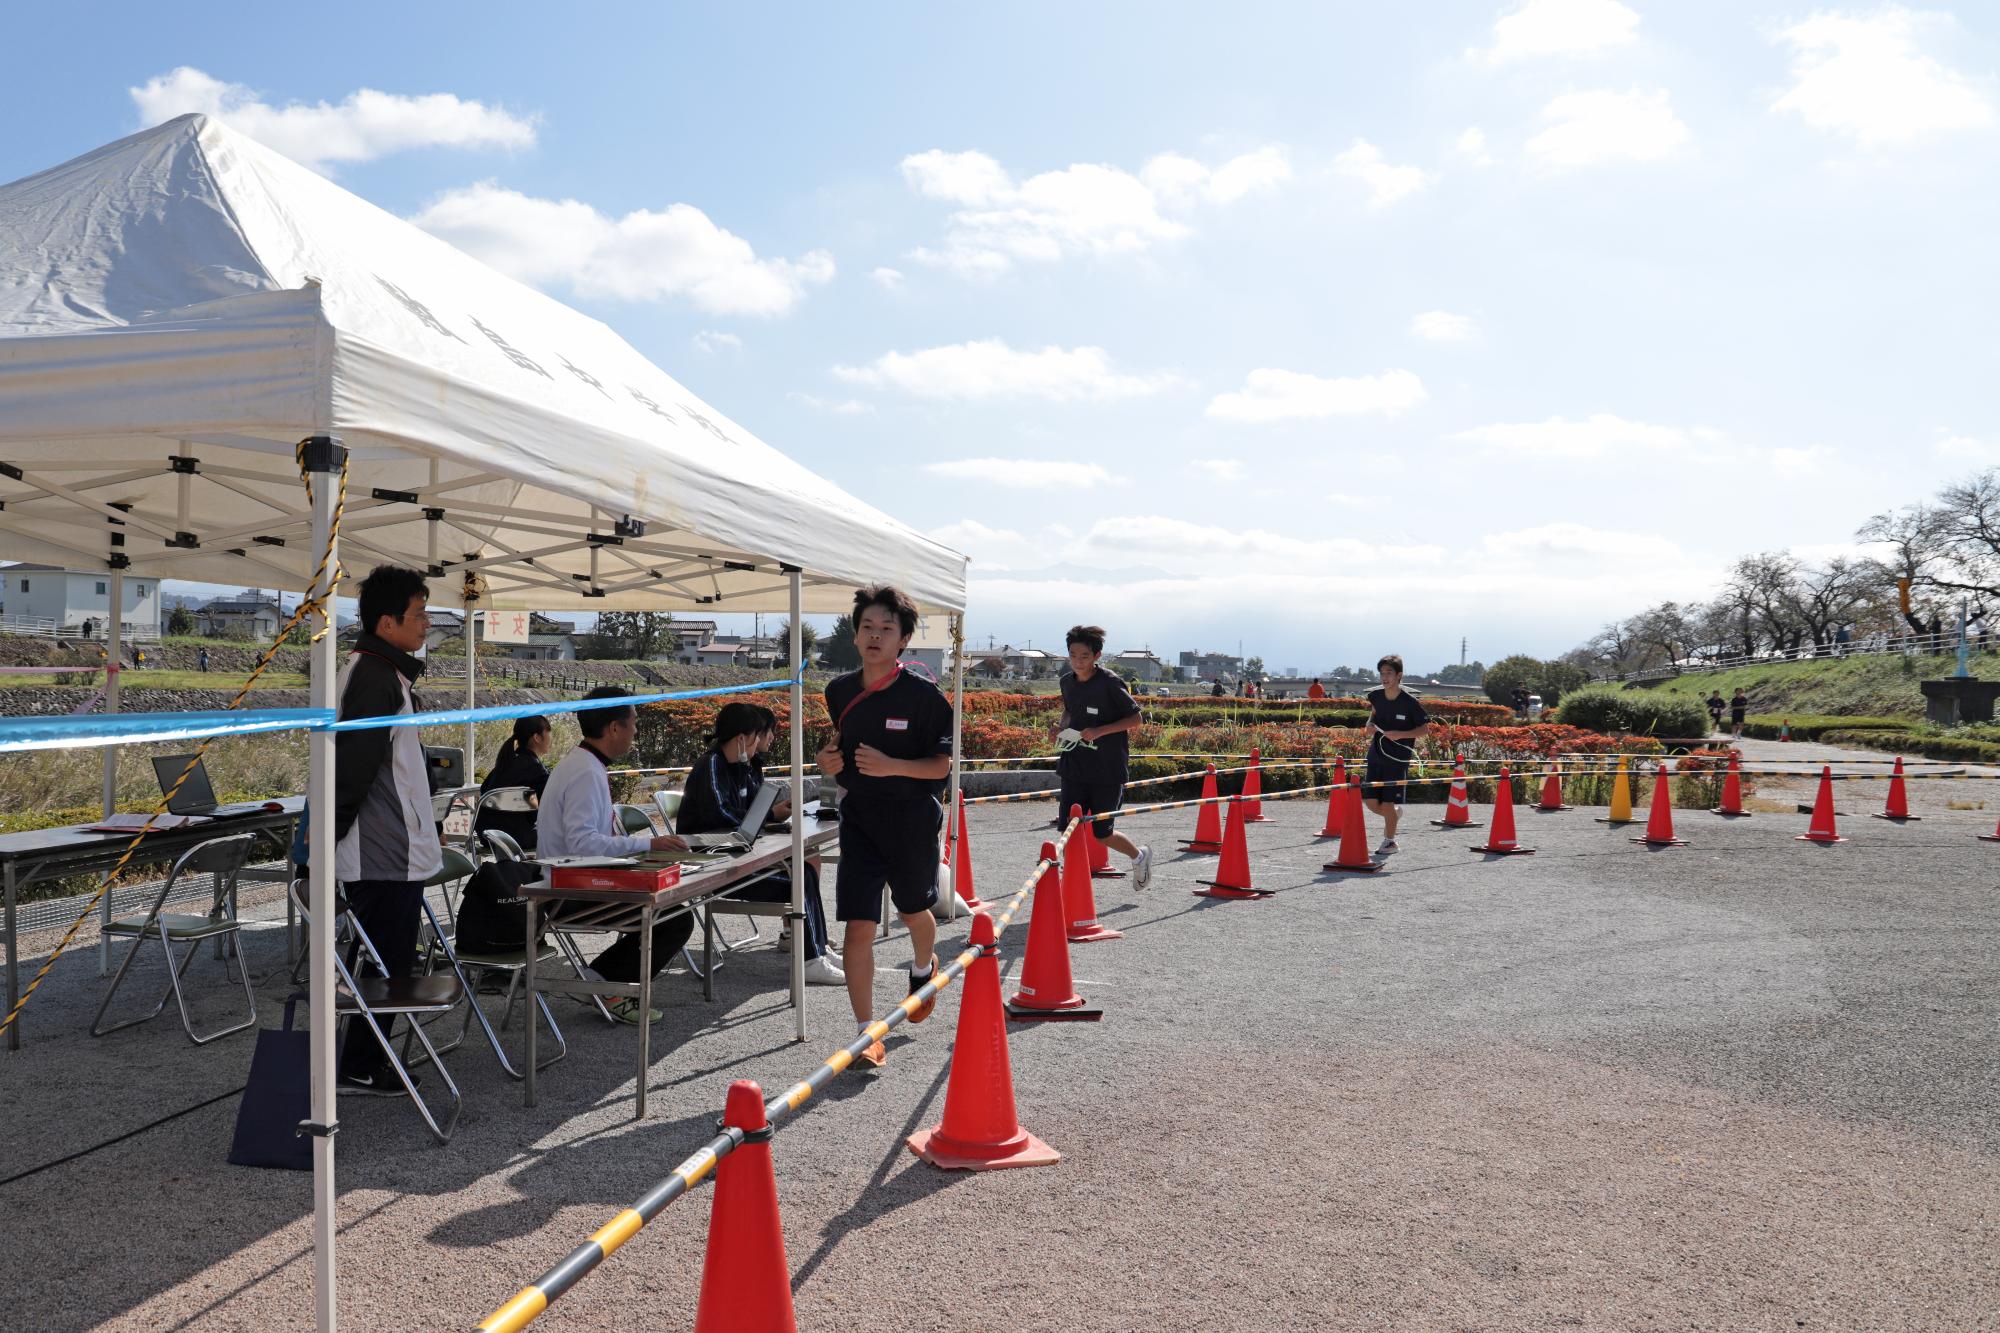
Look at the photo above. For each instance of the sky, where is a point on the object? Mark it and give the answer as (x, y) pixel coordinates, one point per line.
(1331, 329)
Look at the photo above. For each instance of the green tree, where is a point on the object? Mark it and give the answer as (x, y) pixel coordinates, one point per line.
(808, 636)
(1518, 670)
(1254, 667)
(644, 635)
(840, 652)
(1469, 673)
(180, 621)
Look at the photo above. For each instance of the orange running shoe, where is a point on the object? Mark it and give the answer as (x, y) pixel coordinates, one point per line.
(874, 1057)
(923, 1011)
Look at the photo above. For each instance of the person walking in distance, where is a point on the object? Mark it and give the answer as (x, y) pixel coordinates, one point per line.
(1739, 704)
(891, 754)
(1395, 721)
(1097, 716)
(1715, 706)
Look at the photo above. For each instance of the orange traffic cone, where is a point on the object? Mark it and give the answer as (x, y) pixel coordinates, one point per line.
(1732, 790)
(1253, 787)
(1047, 990)
(1353, 858)
(1079, 903)
(1552, 790)
(1660, 822)
(1500, 842)
(1100, 859)
(1822, 828)
(1336, 801)
(981, 1131)
(1207, 818)
(1232, 873)
(1897, 807)
(1458, 806)
(961, 859)
(745, 1281)
(1994, 836)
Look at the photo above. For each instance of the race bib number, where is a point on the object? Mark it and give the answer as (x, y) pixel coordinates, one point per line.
(896, 724)
(1091, 711)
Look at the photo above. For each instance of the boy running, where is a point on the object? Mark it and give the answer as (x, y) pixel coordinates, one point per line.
(1395, 721)
(1098, 707)
(891, 752)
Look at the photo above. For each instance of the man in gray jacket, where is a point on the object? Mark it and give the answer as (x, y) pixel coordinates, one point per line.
(387, 842)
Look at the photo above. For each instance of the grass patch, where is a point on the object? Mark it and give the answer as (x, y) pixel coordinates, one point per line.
(1877, 687)
(161, 680)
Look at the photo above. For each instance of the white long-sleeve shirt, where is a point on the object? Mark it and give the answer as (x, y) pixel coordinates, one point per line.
(576, 816)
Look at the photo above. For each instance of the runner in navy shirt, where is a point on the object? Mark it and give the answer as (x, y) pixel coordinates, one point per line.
(891, 752)
(1395, 721)
(1093, 766)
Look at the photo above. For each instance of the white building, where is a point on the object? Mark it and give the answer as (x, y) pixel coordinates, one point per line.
(931, 645)
(1141, 663)
(49, 599)
(248, 615)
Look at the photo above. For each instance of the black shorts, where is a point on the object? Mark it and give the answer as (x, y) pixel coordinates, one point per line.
(887, 842)
(1385, 779)
(1092, 796)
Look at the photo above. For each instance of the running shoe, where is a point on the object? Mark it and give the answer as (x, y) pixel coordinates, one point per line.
(923, 1011)
(823, 971)
(1142, 868)
(627, 1011)
(1388, 848)
(874, 1057)
(380, 1083)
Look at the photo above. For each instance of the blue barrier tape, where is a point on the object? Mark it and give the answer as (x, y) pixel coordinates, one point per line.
(70, 732)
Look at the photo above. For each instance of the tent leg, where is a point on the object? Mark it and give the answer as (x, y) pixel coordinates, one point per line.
(114, 643)
(957, 731)
(323, 458)
(466, 603)
(798, 730)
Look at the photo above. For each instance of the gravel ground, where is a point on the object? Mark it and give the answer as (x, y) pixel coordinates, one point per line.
(1747, 1083)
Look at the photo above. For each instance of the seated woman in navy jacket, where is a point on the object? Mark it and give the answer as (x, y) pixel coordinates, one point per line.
(518, 764)
(718, 793)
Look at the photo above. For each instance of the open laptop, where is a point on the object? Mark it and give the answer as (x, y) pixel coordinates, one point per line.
(739, 839)
(197, 794)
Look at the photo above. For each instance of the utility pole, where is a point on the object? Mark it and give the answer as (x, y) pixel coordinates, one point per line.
(1461, 651)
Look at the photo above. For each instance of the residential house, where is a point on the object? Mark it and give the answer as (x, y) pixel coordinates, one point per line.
(1211, 666)
(247, 615)
(49, 599)
(931, 645)
(1140, 664)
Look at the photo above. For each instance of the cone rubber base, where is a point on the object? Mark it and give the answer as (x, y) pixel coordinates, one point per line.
(1662, 842)
(1329, 837)
(1093, 933)
(1023, 1150)
(1365, 868)
(1107, 874)
(1807, 837)
(1213, 890)
(1256, 819)
(1078, 1012)
(1446, 823)
(1201, 848)
(1898, 819)
(1602, 819)
(1730, 814)
(1987, 837)
(1504, 851)
(1551, 809)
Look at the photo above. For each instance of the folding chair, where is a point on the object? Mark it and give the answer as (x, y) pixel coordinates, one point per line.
(669, 803)
(222, 858)
(504, 848)
(501, 800)
(374, 998)
(512, 962)
(634, 819)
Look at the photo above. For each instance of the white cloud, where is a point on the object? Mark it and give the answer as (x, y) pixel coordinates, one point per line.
(992, 548)
(990, 369)
(1082, 209)
(1026, 474)
(1597, 434)
(1386, 182)
(365, 125)
(1799, 462)
(1347, 501)
(1290, 395)
(1965, 449)
(708, 340)
(1442, 326)
(1178, 545)
(1220, 469)
(1571, 541)
(1471, 146)
(1592, 128)
(1560, 28)
(846, 407)
(887, 277)
(1865, 75)
(676, 253)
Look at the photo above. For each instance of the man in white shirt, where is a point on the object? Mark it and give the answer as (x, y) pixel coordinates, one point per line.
(577, 818)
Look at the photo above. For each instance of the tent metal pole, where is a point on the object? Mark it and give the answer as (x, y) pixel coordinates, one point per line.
(957, 731)
(466, 602)
(798, 730)
(323, 459)
(114, 643)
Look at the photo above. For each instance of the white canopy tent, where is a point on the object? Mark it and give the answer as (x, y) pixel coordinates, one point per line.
(180, 309)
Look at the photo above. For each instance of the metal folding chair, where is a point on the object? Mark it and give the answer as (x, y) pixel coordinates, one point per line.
(501, 800)
(372, 999)
(224, 859)
(512, 962)
(634, 819)
(504, 848)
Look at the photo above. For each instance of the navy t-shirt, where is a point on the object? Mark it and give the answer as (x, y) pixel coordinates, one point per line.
(1402, 713)
(907, 719)
(1093, 703)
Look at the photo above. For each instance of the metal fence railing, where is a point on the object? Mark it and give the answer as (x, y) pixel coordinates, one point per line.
(1872, 645)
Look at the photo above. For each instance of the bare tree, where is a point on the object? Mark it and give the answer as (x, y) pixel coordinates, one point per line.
(1824, 598)
(1967, 516)
(1916, 553)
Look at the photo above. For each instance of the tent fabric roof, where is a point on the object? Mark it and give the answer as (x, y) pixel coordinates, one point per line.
(188, 294)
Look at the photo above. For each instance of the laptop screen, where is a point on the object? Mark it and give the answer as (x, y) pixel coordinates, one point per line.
(196, 796)
(759, 812)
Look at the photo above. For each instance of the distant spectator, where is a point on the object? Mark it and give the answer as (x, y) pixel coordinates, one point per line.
(1739, 704)
(1843, 637)
(89, 628)
(201, 657)
(1216, 691)
(1716, 703)
(1521, 700)
(1975, 631)
(1315, 690)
